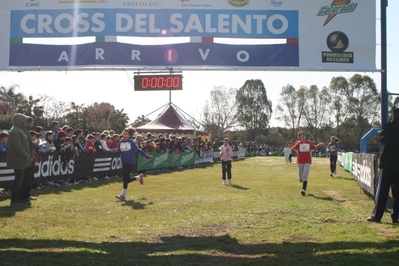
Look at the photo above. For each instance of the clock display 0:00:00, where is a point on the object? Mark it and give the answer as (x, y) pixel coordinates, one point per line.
(158, 82)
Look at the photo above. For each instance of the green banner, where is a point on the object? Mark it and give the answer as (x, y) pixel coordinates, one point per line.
(159, 160)
(166, 159)
(348, 161)
(187, 158)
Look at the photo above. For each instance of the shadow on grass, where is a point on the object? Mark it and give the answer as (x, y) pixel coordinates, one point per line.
(206, 250)
(136, 205)
(238, 187)
(323, 198)
(344, 178)
(9, 211)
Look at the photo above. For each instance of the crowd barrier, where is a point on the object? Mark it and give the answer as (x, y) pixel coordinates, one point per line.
(50, 167)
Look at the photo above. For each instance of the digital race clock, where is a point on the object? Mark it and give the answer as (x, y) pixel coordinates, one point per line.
(158, 82)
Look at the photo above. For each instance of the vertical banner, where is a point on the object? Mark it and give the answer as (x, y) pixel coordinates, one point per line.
(363, 171)
(347, 163)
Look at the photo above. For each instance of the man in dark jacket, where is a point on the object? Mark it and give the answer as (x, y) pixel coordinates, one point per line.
(388, 176)
(19, 156)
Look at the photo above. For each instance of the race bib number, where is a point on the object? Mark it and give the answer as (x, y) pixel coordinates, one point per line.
(125, 146)
(304, 147)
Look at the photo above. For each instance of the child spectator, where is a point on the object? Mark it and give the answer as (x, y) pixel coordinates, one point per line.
(157, 147)
(110, 144)
(115, 141)
(69, 132)
(76, 147)
(36, 148)
(55, 127)
(149, 147)
(48, 145)
(226, 154)
(139, 141)
(67, 151)
(97, 141)
(60, 140)
(90, 144)
(103, 140)
(39, 129)
(81, 139)
(3, 141)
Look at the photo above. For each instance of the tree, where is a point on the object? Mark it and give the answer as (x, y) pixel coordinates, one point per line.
(338, 90)
(97, 116)
(75, 114)
(254, 110)
(30, 107)
(288, 110)
(15, 98)
(140, 121)
(53, 110)
(363, 103)
(316, 110)
(220, 113)
(119, 120)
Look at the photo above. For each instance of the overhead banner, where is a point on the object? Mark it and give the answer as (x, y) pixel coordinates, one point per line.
(188, 34)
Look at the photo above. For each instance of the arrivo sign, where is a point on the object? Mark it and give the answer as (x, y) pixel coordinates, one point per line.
(158, 82)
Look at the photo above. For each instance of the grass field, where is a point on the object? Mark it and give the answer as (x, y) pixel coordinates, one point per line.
(189, 218)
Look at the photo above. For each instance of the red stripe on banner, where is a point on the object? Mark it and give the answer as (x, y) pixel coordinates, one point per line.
(207, 39)
(292, 41)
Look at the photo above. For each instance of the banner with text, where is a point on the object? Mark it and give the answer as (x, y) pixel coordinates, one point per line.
(192, 34)
(364, 170)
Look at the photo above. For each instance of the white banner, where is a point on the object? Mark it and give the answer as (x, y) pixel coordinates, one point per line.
(320, 35)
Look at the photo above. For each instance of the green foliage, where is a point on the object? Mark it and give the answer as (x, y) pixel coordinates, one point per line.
(189, 218)
(5, 122)
(254, 110)
(140, 121)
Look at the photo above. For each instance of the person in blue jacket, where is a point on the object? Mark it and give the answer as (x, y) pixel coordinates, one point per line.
(3, 141)
(127, 148)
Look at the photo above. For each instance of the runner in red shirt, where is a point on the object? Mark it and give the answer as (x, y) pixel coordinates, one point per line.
(303, 147)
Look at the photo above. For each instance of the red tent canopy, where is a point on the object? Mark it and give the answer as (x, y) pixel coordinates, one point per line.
(170, 121)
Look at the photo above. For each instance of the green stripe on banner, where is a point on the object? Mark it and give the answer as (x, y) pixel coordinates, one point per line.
(16, 40)
(100, 38)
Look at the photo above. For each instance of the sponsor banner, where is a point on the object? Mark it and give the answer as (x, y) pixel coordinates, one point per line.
(158, 160)
(187, 158)
(363, 171)
(51, 167)
(166, 159)
(318, 35)
(93, 164)
(347, 163)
